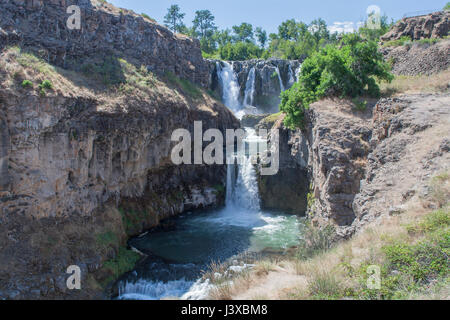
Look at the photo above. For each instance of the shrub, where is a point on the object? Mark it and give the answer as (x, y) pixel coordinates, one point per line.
(423, 261)
(107, 239)
(46, 84)
(27, 84)
(360, 105)
(346, 70)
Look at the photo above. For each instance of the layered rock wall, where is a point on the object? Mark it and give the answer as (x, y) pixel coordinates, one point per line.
(41, 26)
(435, 25)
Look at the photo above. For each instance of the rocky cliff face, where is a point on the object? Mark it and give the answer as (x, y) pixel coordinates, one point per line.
(106, 30)
(419, 59)
(86, 163)
(365, 164)
(435, 25)
(287, 190)
(271, 76)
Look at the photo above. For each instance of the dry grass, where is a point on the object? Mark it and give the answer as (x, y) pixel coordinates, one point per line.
(437, 83)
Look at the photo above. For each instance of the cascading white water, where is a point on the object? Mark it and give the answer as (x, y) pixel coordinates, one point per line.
(250, 88)
(291, 76)
(279, 78)
(155, 290)
(230, 86)
(244, 191)
(297, 72)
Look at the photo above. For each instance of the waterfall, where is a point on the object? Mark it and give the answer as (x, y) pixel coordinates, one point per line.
(230, 85)
(250, 88)
(243, 192)
(279, 78)
(231, 173)
(291, 77)
(297, 72)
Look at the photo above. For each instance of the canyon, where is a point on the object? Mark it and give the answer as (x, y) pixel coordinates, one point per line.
(86, 166)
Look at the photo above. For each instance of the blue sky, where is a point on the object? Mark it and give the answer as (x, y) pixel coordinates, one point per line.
(270, 13)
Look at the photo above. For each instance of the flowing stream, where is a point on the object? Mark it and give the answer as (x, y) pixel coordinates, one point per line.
(178, 256)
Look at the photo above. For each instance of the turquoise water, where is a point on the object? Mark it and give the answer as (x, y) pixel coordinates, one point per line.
(179, 256)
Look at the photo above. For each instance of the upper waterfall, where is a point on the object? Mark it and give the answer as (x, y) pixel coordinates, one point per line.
(279, 79)
(252, 86)
(230, 86)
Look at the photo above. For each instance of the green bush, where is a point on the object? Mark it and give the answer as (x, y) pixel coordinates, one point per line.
(345, 70)
(27, 84)
(46, 84)
(424, 261)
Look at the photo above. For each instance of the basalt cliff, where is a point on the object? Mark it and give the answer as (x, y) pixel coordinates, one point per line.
(349, 167)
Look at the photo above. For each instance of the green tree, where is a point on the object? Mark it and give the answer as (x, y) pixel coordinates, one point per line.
(261, 35)
(288, 30)
(348, 69)
(204, 28)
(223, 37)
(240, 51)
(203, 23)
(447, 6)
(243, 32)
(174, 19)
(319, 30)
